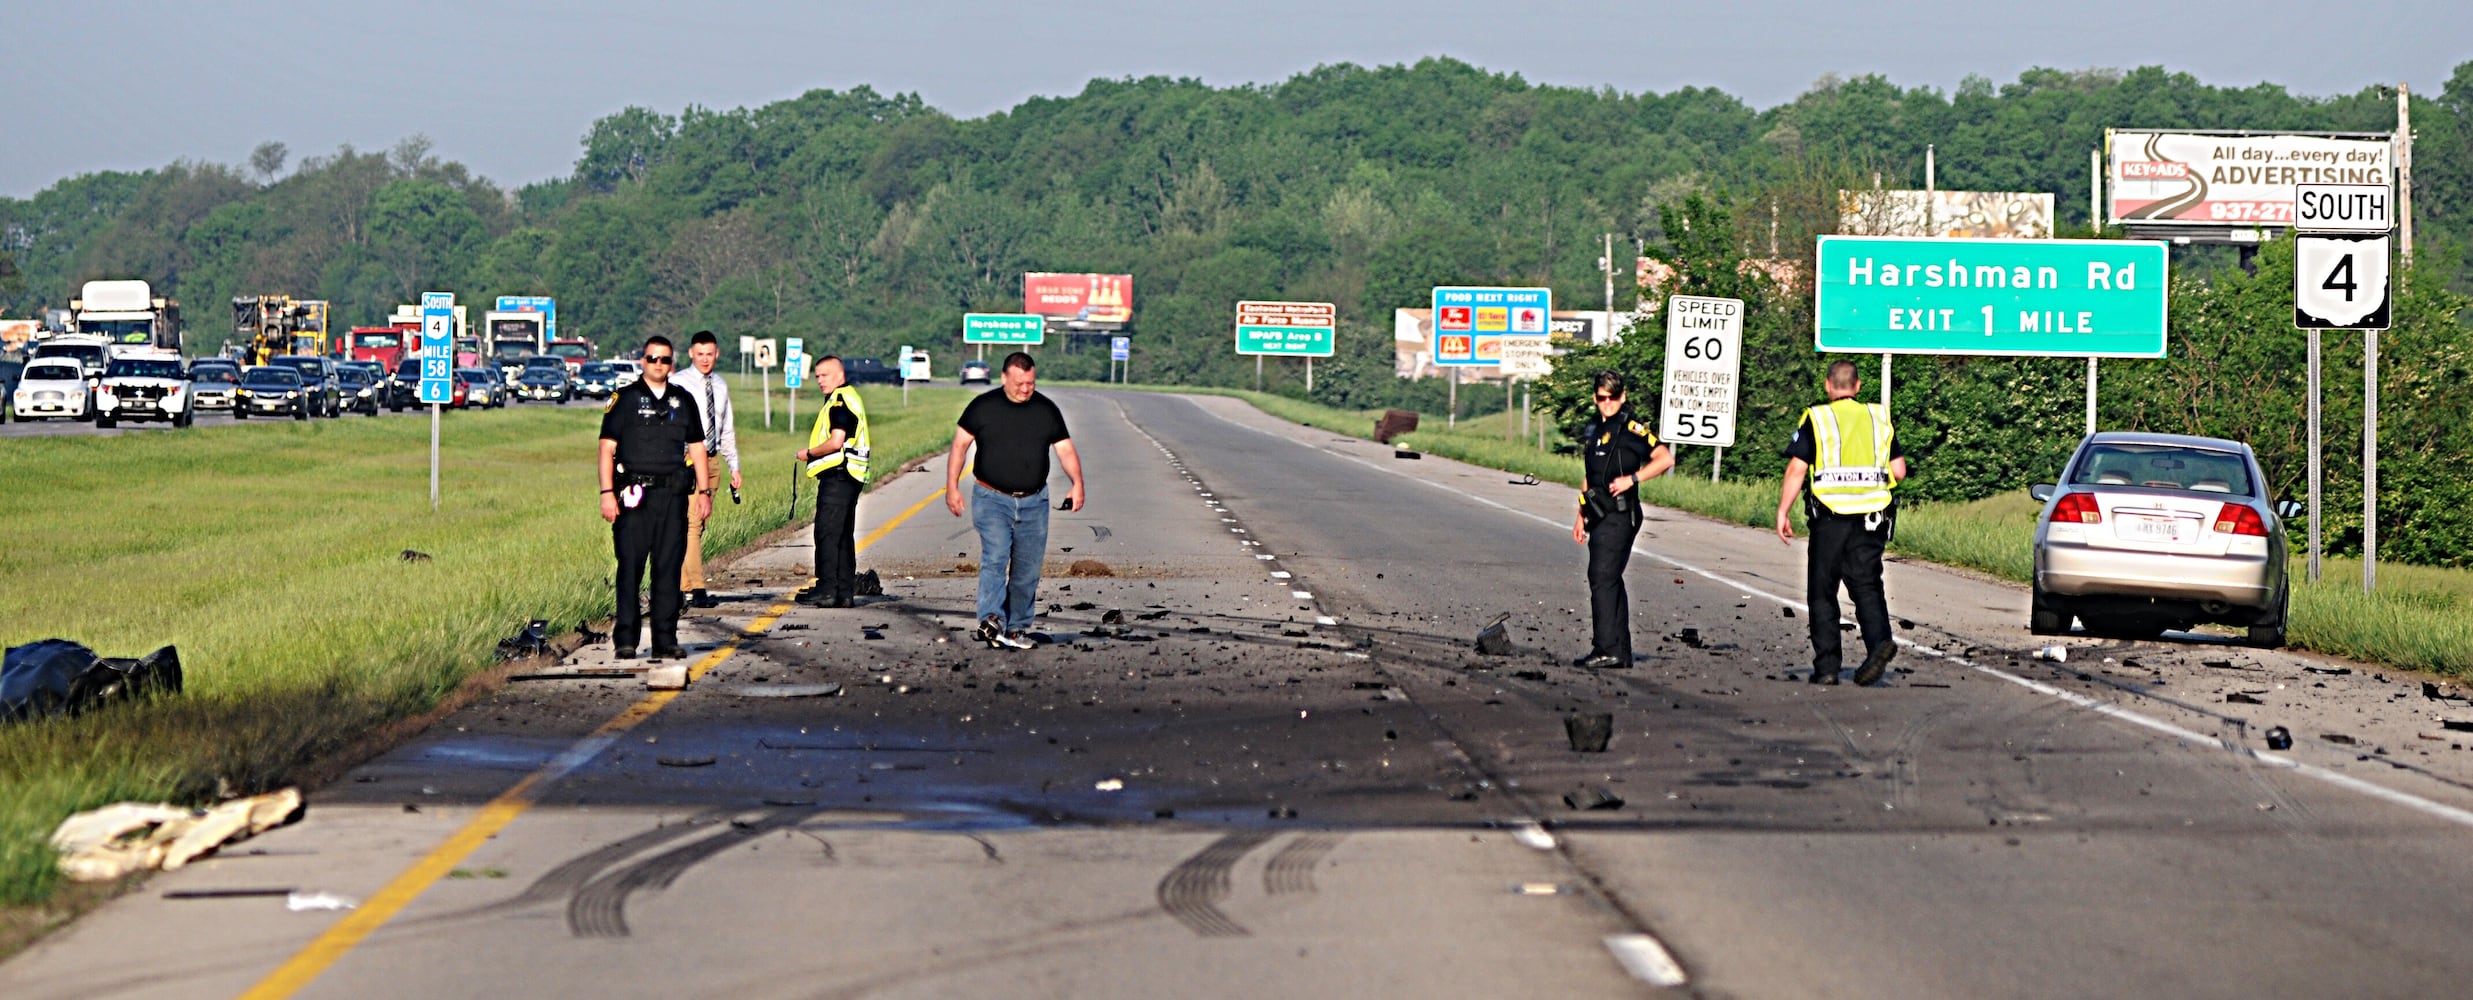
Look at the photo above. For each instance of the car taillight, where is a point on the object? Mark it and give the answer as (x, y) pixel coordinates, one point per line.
(2077, 508)
(2240, 519)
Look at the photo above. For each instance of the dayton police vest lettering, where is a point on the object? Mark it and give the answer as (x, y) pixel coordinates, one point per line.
(1850, 446)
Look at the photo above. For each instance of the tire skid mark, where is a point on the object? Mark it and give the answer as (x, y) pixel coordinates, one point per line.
(600, 908)
(578, 871)
(1192, 890)
(1291, 870)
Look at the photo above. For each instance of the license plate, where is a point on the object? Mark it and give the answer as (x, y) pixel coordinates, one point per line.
(2151, 529)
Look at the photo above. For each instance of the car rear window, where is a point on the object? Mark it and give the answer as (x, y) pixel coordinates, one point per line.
(283, 377)
(2169, 467)
(142, 368)
(54, 372)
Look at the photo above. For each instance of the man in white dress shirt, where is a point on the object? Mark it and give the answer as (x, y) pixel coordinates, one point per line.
(712, 394)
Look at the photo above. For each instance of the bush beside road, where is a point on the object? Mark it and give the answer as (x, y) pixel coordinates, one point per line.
(273, 559)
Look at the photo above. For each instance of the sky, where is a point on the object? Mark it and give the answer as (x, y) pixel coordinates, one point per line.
(509, 87)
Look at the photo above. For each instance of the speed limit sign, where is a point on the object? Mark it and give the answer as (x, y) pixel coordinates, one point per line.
(2340, 282)
(1704, 363)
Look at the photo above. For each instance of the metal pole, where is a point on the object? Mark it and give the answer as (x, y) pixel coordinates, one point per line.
(1309, 374)
(1717, 461)
(764, 378)
(1509, 385)
(2095, 190)
(433, 458)
(1453, 419)
(1257, 373)
(1524, 407)
(2091, 379)
(2315, 481)
(2370, 461)
(2404, 171)
(1930, 186)
(794, 409)
(1609, 283)
(1885, 378)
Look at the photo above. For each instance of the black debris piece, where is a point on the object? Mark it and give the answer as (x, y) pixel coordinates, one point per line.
(61, 677)
(1495, 640)
(702, 761)
(1529, 675)
(2452, 725)
(2329, 671)
(2279, 738)
(1404, 453)
(1905, 625)
(533, 640)
(1588, 732)
(869, 633)
(867, 584)
(1283, 812)
(1163, 812)
(1112, 617)
(2432, 692)
(414, 556)
(2340, 739)
(1592, 797)
(1524, 480)
(2243, 698)
(1152, 616)
(1790, 612)
(1082, 605)
(2218, 664)
(1394, 423)
(1689, 637)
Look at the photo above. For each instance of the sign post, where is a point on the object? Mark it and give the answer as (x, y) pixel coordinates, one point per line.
(1286, 329)
(2342, 281)
(1120, 352)
(437, 369)
(1471, 324)
(746, 352)
(793, 374)
(1704, 373)
(764, 379)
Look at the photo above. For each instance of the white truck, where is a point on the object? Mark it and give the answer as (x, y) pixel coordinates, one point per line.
(127, 314)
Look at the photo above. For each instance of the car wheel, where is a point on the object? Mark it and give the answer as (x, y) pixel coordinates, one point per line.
(104, 421)
(2270, 634)
(240, 413)
(300, 412)
(2046, 615)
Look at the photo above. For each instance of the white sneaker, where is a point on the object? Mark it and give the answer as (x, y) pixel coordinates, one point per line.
(991, 629)
(1014, 640)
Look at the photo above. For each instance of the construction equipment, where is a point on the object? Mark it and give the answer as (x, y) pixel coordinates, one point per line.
(271, 325)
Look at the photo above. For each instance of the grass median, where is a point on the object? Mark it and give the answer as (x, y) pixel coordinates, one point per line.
(272, 555)
(2418, 618)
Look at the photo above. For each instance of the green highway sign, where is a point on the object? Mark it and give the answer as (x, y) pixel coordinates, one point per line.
(1003, 328)
(1296, 329)
(2036, 298)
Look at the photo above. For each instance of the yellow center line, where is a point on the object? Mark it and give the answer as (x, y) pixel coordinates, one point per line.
(339, 940)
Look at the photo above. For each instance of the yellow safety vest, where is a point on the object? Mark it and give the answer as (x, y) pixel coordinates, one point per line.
(1850, 468)
(854, 450)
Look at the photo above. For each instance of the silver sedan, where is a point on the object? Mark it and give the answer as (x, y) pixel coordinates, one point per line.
(2147, 532)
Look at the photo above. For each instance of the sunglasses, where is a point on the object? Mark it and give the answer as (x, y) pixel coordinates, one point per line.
(659, 359)
(1603, 398)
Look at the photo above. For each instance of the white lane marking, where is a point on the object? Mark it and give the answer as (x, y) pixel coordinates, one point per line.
(1533, 836)
(1645, 959)
(1325, 620)
(1264, 555)
(2408, 800)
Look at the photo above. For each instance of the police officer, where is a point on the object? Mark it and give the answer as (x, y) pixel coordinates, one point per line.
(649, 482)
(1618, 452)
(1854, 461)
(836, 457)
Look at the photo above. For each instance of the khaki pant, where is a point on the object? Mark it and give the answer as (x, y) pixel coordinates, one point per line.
(691, 576)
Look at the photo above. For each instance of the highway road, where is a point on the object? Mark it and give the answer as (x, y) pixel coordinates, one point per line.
(53, 428)
(1296, 777)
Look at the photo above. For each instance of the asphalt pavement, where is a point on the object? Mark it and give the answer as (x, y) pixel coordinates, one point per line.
(1259, 756)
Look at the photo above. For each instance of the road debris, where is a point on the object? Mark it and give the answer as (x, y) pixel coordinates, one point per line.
(414, 556)
(1495, 639)
(867, 584)
(2279, 738)
(1110, 785)
(1089, 567)
(104, 844)
(701, 760)
(61, 677)
(532, 640)
(2055, 653)
(1394, 423)
(669, 678)
(1588, 732)
(825, 690)
(301, 902)
(1591, 797)
(2432, 692)
(2243, 698)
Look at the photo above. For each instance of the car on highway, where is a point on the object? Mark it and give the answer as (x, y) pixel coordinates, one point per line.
(360, 390)
(403, 388)
(143, 387)
(272, 390)
(480, 388)
(628, 371)
(90, 353)
(597, 380)
(317, 382)
(2147, 532)
(544, 380)
(212, 386)
(376, 371)
(52, 388)
(975, 372)
(869, 371)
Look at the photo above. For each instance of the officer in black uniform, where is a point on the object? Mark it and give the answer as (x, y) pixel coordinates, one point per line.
(649, 477)
(1619, 452)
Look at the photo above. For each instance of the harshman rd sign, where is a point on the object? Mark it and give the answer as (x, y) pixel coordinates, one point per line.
(1297, 329)
(2034, 298)
(1003, 328)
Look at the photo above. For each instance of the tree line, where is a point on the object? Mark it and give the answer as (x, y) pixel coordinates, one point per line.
(861, 221)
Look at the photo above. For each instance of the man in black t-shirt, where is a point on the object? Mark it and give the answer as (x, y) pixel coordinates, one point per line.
(1013, 426)
(649, 479)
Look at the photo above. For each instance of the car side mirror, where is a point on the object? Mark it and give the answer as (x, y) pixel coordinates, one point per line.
(2289, 509)
(2041, 491)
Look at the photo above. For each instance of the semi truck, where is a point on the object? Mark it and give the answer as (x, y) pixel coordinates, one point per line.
(467, 346)
(126, 314)
(386, 345)
(514, 337)
(269, 326)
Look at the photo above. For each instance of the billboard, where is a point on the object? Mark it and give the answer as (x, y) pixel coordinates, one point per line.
(2236, 179)
(1080, 300)
(1998, 215)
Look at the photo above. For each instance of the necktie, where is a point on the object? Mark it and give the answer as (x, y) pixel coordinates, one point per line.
(712, 419)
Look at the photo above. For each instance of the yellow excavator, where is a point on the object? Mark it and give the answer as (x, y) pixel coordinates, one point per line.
(272, 325)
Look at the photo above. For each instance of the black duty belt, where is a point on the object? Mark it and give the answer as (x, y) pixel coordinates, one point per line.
(665, 481)
(1016, 494)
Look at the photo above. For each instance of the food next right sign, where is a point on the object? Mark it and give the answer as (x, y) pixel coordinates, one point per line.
(2033, 298)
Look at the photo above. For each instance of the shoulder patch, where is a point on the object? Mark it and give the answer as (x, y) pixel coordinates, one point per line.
(1640, 428)
(612, 404)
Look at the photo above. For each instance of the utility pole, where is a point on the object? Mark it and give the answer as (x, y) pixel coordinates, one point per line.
(2404, 171)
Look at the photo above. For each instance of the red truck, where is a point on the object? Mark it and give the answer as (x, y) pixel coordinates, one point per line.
(386, 345)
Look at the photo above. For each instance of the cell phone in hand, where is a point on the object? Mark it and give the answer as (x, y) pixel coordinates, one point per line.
(1065, 504)
(734, 495)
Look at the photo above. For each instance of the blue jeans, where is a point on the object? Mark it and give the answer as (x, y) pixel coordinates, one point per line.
(1013, 542)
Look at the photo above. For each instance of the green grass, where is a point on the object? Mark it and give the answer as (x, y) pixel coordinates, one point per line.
(270, 556)
(2418, 618)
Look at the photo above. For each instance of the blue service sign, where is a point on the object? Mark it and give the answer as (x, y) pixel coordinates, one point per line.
(1120, 348)
(436, 390)
(1471, 323)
